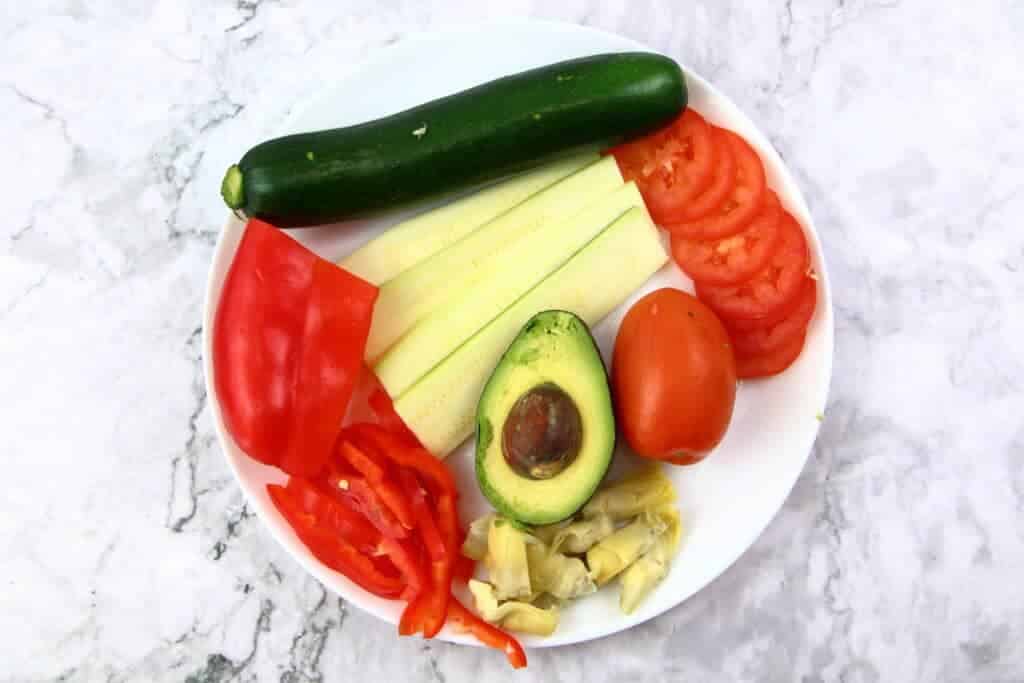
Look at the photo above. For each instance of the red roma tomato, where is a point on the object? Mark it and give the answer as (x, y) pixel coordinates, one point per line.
(723, 179)
(739, 207)
(771, 362)
(771, 293)
(673, 377)
(733, 259)
(288, 344)
(755, 342)
(671, 165)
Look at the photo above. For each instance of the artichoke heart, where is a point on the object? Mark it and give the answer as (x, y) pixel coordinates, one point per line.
(640, 578)
(512, 614)
(642, 490)
(556, 574)
(475, 545)
(612, 555)
(506, 560)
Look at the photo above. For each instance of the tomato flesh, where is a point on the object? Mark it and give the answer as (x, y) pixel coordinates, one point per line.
(739, 207)
(769, 291)
(771, 362)
(723, 179)
(670, 166)
(763, 340)
(732, 259)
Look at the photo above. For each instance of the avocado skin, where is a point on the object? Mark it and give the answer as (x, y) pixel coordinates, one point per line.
(554, 346)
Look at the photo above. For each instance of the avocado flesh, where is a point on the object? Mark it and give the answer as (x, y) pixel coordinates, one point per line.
(554, 347)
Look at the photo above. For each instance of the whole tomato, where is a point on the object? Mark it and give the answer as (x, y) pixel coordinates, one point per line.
(673, 377)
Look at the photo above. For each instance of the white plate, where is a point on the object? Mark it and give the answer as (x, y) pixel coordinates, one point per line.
(728, 499)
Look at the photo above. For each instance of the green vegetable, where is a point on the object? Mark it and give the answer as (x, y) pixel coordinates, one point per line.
(480, 134)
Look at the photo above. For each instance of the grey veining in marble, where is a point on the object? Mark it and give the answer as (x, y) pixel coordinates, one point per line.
(126, 552)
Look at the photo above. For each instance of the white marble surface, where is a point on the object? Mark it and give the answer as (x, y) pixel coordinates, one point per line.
(126, 553)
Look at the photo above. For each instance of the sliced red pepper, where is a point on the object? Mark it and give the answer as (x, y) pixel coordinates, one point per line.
(464, 568)
(488, 634)
(379, 479)
(405, 557)
(332, 549)
(427, 612)
(364, 496)
(288, 342)
(425, 523)
(334, 516)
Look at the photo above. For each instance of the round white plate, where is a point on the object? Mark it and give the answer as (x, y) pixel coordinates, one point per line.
(728, 499)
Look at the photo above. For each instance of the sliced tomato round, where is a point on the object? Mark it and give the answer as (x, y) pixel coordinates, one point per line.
(764, 340)
(770, 290)
(723, 179)
(740, 205)
(771, 362)
(671, 165)
(733, 259)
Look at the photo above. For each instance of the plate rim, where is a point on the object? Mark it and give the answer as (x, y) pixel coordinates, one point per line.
(278, 528)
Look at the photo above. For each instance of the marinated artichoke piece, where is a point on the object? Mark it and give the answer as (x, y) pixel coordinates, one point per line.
(513, 615)
(640, 578)
(641, 490)
(612, 555)
(475, 545)
(581, 536)
(506, 560)
(556, 574)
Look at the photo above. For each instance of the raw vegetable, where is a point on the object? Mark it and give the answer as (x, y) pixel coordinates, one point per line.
(766, 339)
(440, 407)
(511, 272)
(404, 245)
(474, 136)
(642, 489)
(723, 179)
(475, 545)
(433, 284)
(671, 166)
(640, 578)
(674, 377)
(512, 614)
(288, 341)
(741, 204)
(545, 424)
(733, 259)
(464, 620)
(615, 553)
(773, 289)
(770, 362)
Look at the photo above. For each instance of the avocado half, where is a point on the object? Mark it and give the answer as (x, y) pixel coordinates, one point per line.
(553, 355)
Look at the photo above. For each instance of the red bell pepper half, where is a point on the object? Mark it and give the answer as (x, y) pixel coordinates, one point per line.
(288, 342)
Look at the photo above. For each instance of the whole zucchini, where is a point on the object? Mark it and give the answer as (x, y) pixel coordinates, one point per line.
(480, 134)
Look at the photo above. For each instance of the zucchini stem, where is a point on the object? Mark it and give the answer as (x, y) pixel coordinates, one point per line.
(232, 188)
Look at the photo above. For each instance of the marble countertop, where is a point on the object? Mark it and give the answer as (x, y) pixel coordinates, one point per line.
(126, 550)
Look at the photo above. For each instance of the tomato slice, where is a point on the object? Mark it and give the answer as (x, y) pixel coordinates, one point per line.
(671, 165)
(732, 259)
(723, 179)
(772, 362)
(771, 289)
(766, 339)
(739, 207)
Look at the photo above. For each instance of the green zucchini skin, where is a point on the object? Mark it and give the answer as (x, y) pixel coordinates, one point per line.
(474, 136)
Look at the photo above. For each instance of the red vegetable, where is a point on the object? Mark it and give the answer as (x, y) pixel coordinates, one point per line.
(770, 362)
(487, 634)
(670, 166)
(288, 344)
(739, 207)
(763, 340)
(380, 480)
(332, 548)
(723, 180)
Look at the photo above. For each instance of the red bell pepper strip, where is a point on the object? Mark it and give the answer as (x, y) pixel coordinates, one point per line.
(427, 612)
(332, 549)
(488, 634)
(424, 516)
(288, 342)
(377, 476)
(361, 494)
(403, 555)
(334, 516)
(464, 568)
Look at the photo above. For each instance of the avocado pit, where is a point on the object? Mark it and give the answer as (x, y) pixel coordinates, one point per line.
(542, 433)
